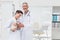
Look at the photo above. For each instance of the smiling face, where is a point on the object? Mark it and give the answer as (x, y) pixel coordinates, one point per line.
(25, 7)
(18, 15)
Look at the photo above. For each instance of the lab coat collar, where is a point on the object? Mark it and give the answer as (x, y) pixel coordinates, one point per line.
(27, 14)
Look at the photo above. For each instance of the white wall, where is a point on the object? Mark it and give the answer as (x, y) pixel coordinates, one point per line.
(39, 2)
(42, 15)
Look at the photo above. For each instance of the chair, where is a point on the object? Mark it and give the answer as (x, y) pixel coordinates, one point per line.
(39, 31)
(36, 30)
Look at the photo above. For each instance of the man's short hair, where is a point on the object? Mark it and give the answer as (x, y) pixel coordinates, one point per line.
(25, 3)
(19, 11)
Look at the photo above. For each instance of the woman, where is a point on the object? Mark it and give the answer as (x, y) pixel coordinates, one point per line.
(13, 26)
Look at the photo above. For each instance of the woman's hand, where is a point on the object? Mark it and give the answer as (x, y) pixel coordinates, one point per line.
(13, 27)
(20, 25)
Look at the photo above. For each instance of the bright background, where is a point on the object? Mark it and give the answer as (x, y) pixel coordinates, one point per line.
(41, 11)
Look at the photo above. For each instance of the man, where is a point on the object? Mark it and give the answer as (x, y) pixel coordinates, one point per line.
(27, 30)
(13, 26)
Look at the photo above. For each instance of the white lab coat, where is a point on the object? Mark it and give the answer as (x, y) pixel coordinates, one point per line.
(12, 35)
(26, 32)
